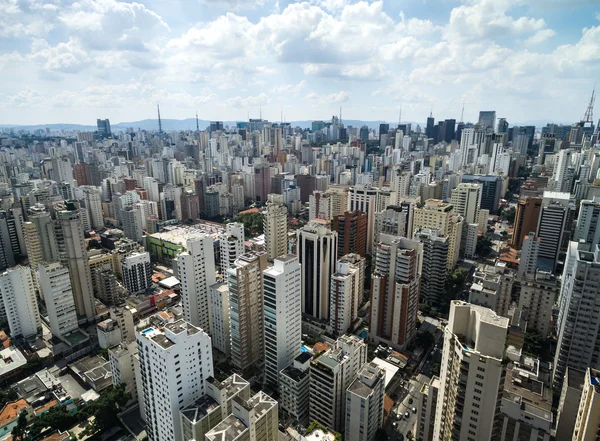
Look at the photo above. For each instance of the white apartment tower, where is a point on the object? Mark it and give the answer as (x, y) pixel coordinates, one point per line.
(133, 223)
(395, 287)
(587, 228)
(18, 302)
(220, 332)
(196, 271)
(346, 293)
(364, 404)
(246, 310)
(137, 272)
(232, 244)
(587, 423)
(174, 364)
(282, 315)
(426, 412)
(472, 374)
(330, 376)
(55, 285)
(275, 226)
(316, 247)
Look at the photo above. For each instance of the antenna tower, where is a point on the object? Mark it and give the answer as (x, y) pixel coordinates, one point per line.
(159, 122)
(589, 113)
(400, 116)
(197, 123)
(462, 113)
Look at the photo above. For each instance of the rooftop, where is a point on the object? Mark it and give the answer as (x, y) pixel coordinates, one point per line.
(227, 430)
(181, 233)
(10, 359)
(11, 410)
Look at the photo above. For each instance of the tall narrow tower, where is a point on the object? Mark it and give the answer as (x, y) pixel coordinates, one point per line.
(159, 121)
(589, 112)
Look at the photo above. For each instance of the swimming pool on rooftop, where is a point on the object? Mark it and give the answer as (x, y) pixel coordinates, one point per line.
(147, 331)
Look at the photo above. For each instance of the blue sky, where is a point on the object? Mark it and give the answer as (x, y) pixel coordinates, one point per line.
(73, 62)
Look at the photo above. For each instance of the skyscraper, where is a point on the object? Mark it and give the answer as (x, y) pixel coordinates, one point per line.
(174, 363)
(472, 374)
(55, 286)
(556, 217)
(275, 226)
(526, 220)
(137, 272)
(364, 403)
(487, 120)
(316, 248)
(588, 227)
(351, 228)
(491, 188)
(282, 315)
(395, 287)
(435, 259)
(231, 244)
(18, 302)
(73, 252)
(103, 127)
(246, 306)
(588, 416)
(347, 286)
(196, 270)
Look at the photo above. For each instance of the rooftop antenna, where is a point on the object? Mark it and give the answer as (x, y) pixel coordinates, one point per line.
(197, 123)
(400, 116)
(159, 122)
(431, 112)
(462, 113)
(340, 114)
(589, 113)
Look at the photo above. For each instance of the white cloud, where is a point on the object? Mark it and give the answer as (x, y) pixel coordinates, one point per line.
(332, 98)
(249, 101)
(540, 36)
(289, 89)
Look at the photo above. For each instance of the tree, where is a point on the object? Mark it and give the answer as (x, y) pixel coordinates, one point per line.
(56, 417)
(435, 369)
(19, 432)
(6, 396)
(455, 283)
(533, 343)
(380, 435)
(483, 247)
(509, 215)
(94, 244)
(106, 408)
(253, 223)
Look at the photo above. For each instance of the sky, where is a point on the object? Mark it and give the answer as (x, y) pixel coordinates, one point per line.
(73, 62)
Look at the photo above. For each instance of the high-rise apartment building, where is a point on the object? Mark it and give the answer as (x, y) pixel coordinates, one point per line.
(395, 220)
(282, 315)
(427, 410)
(472, 374)
(587, 424)
(364, 403)
(351, 228)
(556, 217)
(395, 286)
(232, 244)
(275, 226)
(316, 247)
(346, 293)
(435, 259)
(137, 272)
(55, 285)
(492, 288)
(529, 255)
(579, 301)
(175, 362)
(438, 215)
(196, 271)
(133, 224)
(330, 375)
(491, 190)
(587, 227)
(539, 291)
(73, 251)
(294, 388)
(18, 302)
(220, 331)
(526, 220)
(246, 310)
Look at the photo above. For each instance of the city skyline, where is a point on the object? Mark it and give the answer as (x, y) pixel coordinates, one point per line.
(230, 60)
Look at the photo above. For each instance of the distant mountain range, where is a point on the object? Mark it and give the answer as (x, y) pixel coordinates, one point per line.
(190, 124)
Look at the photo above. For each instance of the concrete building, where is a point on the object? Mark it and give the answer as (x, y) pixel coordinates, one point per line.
(351, 228)
(133, 223)
(137, 272)
(174, 362)
(18, 302)
(435, 259)
(206, 412)
(472, 374)
(196, 271)
(364, 403)
(316, 247)
(330, 375)
(246, 310)
(539, 291)
(347, 286)
(579, 301)
(220, 331)
(568, 404)
(529, 255)
(55, 286)
(232, 244)
(491, 190)
(282, 315)
(587, 227)
(123, 366)
(294, 388)
(427, 410)
(526, 220)
(93, 203)
(73, 252)
(587, 424)
(394, 220)
(466, 199)
(438, 215)
(492, 288)
(395, 287)
(556, 216)
(255, 419)
(275, 226)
